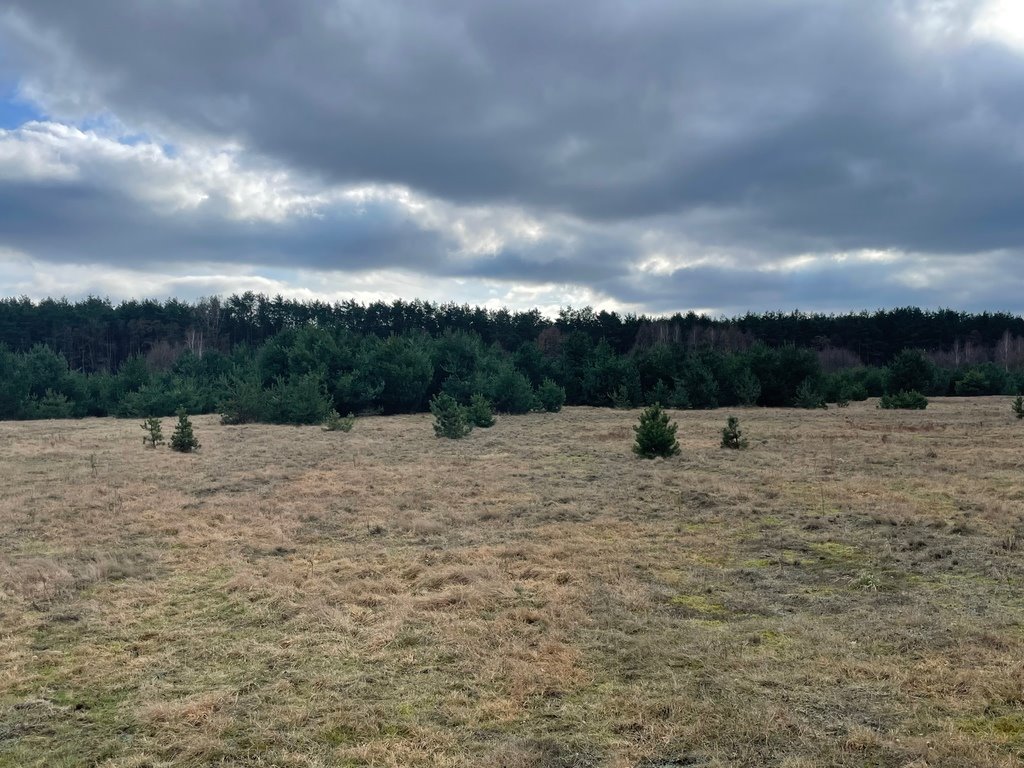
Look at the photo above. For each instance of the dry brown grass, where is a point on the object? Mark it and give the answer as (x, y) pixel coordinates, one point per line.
(848, 592)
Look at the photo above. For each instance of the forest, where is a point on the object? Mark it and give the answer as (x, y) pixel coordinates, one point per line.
(257, 358)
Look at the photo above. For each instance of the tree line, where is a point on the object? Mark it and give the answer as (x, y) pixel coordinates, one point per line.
(95, 335)
(300, 374)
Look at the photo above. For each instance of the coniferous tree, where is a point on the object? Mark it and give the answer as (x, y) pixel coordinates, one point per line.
(655, 434)
(1018, 407)
(550, 396)
(154, 433)
(732, 436)
(336, 423)
(449, 417)
(479, 412)
(183, 440)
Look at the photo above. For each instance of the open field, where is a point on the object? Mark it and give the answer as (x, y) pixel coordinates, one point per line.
(848, 592)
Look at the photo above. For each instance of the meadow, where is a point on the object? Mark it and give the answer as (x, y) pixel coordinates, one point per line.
(849, 591)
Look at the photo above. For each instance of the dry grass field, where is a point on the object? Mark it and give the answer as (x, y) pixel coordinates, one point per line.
(847, 592)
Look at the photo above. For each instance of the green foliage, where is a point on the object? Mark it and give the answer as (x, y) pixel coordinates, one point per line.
(449, 417)
(747, 387)
(335, 422)
(912, 400)
(655, 434)
(479, 412)
(509, 391)
(244, 400)
(909, 371)
(699, 385)
(732, 436)
(52, 405)
(297, 400)
(550, 396)
(781, 372)
(1018, 407)
(809, 396)
(154, 432)
(183, 439)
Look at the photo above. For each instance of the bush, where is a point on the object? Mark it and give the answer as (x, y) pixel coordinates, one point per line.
(244, 401)
(183, 440)
(154, 432)
(732, 437)
(912, 400)
(449, 417)
(909, 371)
(297, 400)
(655, 434)
(335, 423)
(809, 396)
(479, 412)
(1018, 407)
(550, 396)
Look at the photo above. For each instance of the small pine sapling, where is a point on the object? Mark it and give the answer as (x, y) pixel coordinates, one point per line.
(336, 423)
(911, 401)
(449, 417)
(732, 436)
(1018, 407)
(154, 434)
(479, 412)
(183, 440)
(550, 396)
(655, 434)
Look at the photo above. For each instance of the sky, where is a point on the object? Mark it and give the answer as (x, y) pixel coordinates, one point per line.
(638, 155)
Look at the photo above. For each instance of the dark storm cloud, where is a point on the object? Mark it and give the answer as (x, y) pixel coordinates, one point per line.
(122, 232)
(679, 129)
(821, 124)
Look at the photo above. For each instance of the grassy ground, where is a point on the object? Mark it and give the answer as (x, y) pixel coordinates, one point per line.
(847, 592)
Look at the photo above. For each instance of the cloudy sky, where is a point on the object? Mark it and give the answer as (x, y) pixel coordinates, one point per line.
(640, 155)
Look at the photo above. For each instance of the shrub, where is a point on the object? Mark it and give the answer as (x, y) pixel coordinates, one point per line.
(550, 396)
(479, 412)
(909, 371)
(732, 437)
(244, 400)
(1018, 407)
(183, 440)
(655, 434)
(52, 405)
(912, 400)
(297, 400)
(154, 432)
(747, 388)
(335, 423)
(809, 396)
(449, 417)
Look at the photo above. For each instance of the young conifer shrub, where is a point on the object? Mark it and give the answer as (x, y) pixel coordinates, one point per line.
(335, 422)
(809, 396)
(183, 440)
(911, 401)
(655, 434)
(449, 417)
(479, 412)
(1018, 407)
(550, 396)
(154, 433)
(732, 436)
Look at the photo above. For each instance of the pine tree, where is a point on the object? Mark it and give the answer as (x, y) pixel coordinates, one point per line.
(1018, 407)
(154, 433)
(183, 440)
(655, 434)
(732, 437)
(550, 396)
(336, 423)
(479, 412)
(449, 417)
